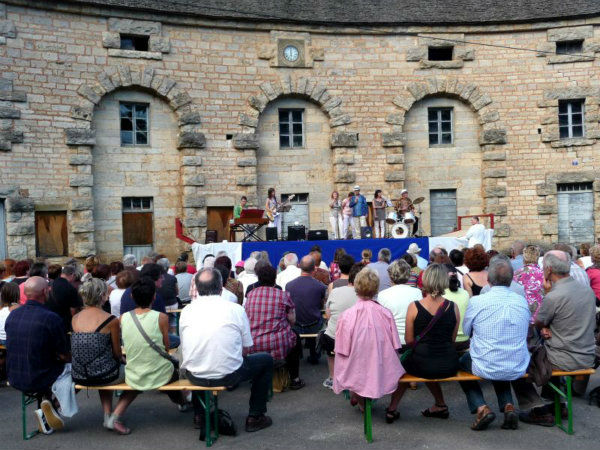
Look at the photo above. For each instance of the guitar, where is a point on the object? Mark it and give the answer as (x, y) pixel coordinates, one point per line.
(273, 213)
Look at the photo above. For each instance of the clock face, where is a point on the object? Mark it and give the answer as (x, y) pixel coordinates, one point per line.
(290, 53)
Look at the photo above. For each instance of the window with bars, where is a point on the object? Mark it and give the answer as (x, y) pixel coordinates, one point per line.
(569, 47)
(570, 118)
(291, 128)
(440, 126)
(137, 204)
(134, 123)
(575, 187)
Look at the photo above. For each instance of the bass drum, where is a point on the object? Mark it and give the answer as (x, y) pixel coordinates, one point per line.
(392, 218)
(399, 231)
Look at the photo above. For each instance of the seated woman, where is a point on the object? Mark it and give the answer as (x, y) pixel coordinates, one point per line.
(124, 280)
(460, 297)
(146, 368)
(339, 300)
(366, 345)
(433, 354)
(531, 277)
(476, 260)
(96, 352)
(272, 314)
(9, 300)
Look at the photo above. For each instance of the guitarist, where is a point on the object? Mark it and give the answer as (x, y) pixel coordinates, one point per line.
(271, 206)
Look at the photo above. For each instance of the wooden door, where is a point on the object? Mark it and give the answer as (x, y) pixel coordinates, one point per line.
(575, 213)
(218, 218)
(443, 211)
(51, 237)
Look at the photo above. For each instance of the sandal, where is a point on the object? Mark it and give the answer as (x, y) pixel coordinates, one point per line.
(391, 416)
(441, 414)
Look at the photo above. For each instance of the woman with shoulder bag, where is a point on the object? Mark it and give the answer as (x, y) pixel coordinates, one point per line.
(96, 352)
(145, 338)
(431, 328)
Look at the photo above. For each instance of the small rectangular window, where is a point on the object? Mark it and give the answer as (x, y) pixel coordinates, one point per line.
(571, 118)
(569, 47)
(133, 42)
(134, 123)
(51, 237)
(291, 128)
(440, 53)
(440, 126)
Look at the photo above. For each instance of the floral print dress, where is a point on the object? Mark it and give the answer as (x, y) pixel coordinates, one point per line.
(531, 277)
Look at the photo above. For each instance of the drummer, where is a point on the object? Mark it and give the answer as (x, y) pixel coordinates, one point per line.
(405, 204)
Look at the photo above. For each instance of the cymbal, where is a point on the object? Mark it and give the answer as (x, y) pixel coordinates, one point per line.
(418, 200)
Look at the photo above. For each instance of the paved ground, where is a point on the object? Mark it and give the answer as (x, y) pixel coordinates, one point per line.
(313, 417)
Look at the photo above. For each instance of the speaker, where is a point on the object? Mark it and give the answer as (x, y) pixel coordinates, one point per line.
(211, 236)
(296, 233)
(366, 233)
(271, 233)
(317, 235)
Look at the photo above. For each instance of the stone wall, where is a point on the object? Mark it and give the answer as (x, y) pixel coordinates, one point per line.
(135, 171)
(456, 166)
(218, 80)
(297, 170)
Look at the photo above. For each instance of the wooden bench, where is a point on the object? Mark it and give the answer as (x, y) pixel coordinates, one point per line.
(466, 376)
(210, 400)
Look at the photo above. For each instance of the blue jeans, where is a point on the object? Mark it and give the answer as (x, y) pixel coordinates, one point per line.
(311, 343)
(258, 368)
(174, 341)
(473, 391)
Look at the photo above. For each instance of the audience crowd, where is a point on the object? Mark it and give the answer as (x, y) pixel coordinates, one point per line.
(481, 312)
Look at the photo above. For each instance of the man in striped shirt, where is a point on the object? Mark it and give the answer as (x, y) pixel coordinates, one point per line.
(497, 323)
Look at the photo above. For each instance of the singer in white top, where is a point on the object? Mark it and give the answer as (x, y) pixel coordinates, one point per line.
(476, 233)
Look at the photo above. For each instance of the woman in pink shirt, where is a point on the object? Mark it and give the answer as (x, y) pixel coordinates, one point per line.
(531, 277)
(594, 272)
(366, 344)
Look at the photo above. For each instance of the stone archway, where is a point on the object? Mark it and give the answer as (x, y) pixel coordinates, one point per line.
(81, 139)
(491, 140)
(342, 141)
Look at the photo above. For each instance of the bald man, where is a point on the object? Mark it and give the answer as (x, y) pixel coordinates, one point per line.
(308, 296)
(566, 321)
(37, 350)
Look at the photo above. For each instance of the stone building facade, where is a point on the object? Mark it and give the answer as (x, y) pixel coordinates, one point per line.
(521, 87)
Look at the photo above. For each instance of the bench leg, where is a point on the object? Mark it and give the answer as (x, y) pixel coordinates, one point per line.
(368, 421)
(211, 420)
(26, 400)
(568, 396)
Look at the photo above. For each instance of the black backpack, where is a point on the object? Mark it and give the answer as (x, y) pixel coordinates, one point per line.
(226, 425)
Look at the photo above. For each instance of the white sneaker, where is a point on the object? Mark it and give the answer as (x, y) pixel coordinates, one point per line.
(328, 383)
(43, 423)
(52, 417)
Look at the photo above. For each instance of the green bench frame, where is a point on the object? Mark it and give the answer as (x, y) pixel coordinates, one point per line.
(559, 395)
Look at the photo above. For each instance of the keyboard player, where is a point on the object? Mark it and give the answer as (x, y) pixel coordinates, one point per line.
(237, 210)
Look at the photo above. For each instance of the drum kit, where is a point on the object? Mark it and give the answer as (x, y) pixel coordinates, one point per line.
(402, 227)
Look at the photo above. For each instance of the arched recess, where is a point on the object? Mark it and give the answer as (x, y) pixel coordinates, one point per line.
(492, 137)
(341, 140)
(82, 138)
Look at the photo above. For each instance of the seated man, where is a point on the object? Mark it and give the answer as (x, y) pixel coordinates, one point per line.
(497, 323)
(308, 296)
(566, 321)
(214, 335)
(37, 350)
(272, 314)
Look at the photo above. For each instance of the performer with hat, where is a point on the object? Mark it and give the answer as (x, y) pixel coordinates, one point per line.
(360, 209)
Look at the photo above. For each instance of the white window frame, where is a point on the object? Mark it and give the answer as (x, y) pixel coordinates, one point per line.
(569, 115)
(439, 122)
(290, 122)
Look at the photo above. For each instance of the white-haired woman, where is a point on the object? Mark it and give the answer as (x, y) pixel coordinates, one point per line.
(96, 352)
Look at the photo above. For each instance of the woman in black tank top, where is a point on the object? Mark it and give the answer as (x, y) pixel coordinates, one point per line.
(434, 355)
(476, 259)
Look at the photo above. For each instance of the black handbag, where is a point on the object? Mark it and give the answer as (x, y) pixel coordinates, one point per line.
(226, 425)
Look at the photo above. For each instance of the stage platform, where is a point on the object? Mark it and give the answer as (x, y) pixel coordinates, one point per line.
(241, 250)
(354, 247)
